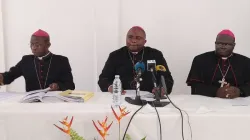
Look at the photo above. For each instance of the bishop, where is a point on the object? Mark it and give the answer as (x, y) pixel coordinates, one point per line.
(43, 69)
(210, 67)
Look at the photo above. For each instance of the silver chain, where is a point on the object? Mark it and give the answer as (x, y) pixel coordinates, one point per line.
(133, 63)
(46, 75)
(133, 56)
(224, 75)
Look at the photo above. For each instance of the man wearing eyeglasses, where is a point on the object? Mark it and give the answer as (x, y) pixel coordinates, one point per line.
(43, 69)
(221, 73)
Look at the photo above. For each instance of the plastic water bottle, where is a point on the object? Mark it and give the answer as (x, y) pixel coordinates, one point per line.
(117, 90)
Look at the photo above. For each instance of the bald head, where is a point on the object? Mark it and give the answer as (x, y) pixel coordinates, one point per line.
(136, 39)
(137, 29)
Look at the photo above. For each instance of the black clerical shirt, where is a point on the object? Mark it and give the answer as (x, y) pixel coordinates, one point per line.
(121, 62)
(208, 70)
(39, 74)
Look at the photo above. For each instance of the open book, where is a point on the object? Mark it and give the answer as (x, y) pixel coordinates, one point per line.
(53, 97)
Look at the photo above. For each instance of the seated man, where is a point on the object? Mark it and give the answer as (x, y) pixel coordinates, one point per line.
(221, 73)
(121, 62)
(43, 69)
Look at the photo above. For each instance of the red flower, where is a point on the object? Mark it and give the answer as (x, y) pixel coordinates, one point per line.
(104, 126)
(122, 111)
(66, 124)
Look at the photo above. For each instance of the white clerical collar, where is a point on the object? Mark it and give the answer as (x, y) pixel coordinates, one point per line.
(41, 58)
(225, 58)
(135, 53)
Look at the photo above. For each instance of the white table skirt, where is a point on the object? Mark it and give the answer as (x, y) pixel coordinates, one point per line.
(210, 119)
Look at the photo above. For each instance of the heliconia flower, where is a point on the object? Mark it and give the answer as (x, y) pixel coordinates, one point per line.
(104, 127)
(66, 124)
(122, 111)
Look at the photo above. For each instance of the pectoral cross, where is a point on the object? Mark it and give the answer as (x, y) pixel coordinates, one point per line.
(222, 82)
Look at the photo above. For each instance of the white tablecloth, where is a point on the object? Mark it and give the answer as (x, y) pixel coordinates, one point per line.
(210, 119)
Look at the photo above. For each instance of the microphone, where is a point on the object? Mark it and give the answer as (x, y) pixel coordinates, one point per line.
(151, 67)
(139, 69)
(158, 95)
(160, 68)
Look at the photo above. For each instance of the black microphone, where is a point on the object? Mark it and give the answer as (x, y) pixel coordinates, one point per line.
(158, 95)
(161, 70)
(151, 65)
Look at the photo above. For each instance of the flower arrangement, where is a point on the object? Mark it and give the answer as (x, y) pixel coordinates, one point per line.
(101, 127)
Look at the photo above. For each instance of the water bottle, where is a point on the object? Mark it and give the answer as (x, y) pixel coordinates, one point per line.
(117, 90)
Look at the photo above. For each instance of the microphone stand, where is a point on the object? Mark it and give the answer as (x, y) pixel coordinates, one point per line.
(157, 102)
(137, 100)
(158, 95)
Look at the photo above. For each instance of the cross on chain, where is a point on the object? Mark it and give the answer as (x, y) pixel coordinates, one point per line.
(222, 82)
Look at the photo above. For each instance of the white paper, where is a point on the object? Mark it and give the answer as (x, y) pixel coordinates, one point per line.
(36, 94)
(145, 95)
(54, 97)
(49, 97)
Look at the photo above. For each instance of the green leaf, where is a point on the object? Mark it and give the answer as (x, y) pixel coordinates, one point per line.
(74, 135)
(144, 138)
(127, 137)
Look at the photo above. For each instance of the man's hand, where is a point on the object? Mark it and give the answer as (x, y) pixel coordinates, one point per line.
(1, 79)
(232, 92)
(163, 91)
(228, 91)
(221, 92)
(110, 89)
(54, 87)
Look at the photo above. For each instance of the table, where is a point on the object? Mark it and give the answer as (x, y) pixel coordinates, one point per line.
(210, 118)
